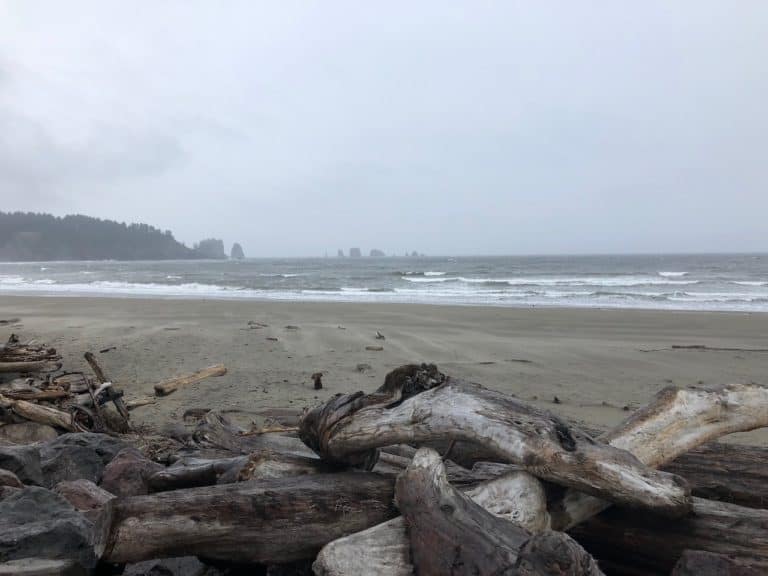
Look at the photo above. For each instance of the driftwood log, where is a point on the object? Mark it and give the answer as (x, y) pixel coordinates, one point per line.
(676, 421)
(40, 414)
(635, 543)
(451, 534)
(726, 472)
(171, 385)
(422, 406)
(728, 409)
(698, 563)
(260, 521)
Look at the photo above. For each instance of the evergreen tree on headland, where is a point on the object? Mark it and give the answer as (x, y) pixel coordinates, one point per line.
(27, 236)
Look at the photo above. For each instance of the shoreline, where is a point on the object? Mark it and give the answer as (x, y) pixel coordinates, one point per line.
(278, 300)
(595, 361)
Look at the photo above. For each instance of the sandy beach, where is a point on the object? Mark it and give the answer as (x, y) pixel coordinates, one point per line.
(597, 363)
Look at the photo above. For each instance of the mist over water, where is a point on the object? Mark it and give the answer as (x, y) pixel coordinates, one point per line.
(685, 282)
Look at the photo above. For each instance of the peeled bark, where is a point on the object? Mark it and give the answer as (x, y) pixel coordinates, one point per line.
(450, 534)
(633, 542)
(349, 428)
(260, 521)
(171, 385)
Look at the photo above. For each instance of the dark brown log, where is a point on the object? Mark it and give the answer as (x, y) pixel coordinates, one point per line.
(726, 472)
(348, 428)
(635, 543)
(261, 521)
(451, 534)
(698, 563)
(36, 395)
(29, 366)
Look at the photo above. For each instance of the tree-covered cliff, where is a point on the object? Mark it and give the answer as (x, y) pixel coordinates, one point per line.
(26, 236)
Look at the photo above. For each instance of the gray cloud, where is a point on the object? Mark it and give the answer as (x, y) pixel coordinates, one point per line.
(447, 128)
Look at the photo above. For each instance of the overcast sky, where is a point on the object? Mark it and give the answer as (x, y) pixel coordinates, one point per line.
(444, 127)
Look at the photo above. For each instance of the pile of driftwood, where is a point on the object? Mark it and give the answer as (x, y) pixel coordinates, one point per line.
(426, 475)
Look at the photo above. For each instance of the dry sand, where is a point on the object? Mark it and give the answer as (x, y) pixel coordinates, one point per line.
(595, 362)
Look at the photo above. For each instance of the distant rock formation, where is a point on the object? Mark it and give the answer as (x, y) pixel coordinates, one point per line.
(354, 253)
(340, 253)
(376, 253)
(237, 252)
(210, 248)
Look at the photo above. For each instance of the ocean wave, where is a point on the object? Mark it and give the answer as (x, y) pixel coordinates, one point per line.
(616, 281)
(607, 291)
(672, 274)
(757, 283)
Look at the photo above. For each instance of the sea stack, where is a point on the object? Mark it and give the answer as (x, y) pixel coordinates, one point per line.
(237, 252)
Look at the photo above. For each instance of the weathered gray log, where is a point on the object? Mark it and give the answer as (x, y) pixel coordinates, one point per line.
(384, 549)
(726, 472)
(632, 542)
(676, 421)
(450, 534)
(698, 563)
(216, 431)
(259, 465)
(348, 428)
(260, 521)
(663, 414)
(381, 549)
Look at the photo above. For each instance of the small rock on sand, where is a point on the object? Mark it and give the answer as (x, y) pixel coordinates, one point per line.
(374, 348)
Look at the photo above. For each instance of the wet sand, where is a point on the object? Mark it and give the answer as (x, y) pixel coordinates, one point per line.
(596, 362)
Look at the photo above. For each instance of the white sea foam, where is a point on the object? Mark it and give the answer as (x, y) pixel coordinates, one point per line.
(673, 274)
(616, 281)
(749, 283)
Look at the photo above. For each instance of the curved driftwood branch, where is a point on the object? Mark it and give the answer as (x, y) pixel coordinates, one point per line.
(673, 423)
(451, 534)
(350, 428)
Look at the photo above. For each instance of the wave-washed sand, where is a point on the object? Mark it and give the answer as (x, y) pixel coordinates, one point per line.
(596, 362)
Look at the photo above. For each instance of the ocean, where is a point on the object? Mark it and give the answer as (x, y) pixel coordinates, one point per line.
(735, 282)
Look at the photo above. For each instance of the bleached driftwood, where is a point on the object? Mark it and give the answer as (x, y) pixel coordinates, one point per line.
(41, 414)
(382, 549)
(676, 421)
(729, 409)
(171, 385)
(451, 534)
(348, 428)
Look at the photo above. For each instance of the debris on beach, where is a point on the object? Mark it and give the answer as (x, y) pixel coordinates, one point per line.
(425, 475)
(171, 385)
(379, 336)
(374, 348)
